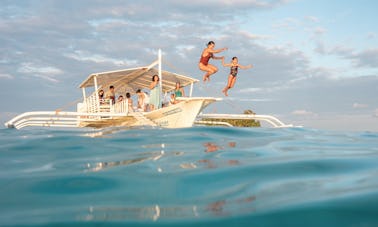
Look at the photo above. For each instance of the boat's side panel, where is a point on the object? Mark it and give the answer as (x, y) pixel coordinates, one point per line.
(180, 115)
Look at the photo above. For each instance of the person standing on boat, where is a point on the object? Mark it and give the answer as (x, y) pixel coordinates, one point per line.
(101, 96)
(234, 65)
(179, 91)
(110, 94)
(155, 96)
(204, 65)
(129, 102)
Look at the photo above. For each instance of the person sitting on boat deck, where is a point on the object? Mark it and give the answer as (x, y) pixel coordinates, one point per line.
(120, 98)
(179, 91)
(129, 101)
(173, 100)
(155, 96)
(111, 94)
(101, 96)
(204, 65)
(142, 102)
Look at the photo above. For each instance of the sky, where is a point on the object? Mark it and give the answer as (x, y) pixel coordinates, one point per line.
(315, 63)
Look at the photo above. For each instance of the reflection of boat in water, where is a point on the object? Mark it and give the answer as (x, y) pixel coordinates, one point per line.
(96, 113)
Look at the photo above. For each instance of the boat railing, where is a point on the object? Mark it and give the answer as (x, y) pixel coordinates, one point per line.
(93, 104)
(121, 106)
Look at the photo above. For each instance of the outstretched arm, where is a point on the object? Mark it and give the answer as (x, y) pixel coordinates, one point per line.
(225, 64)
(217, 51)
(217, 58)
(245, 67)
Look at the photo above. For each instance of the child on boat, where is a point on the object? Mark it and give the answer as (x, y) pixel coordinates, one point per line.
(234, 65)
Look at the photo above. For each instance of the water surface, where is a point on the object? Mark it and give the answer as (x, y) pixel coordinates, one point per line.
(189, 177)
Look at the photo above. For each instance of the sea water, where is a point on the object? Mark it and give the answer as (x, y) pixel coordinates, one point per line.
(198, 176)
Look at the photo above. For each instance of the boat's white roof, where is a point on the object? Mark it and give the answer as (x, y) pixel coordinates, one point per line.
(130, 80)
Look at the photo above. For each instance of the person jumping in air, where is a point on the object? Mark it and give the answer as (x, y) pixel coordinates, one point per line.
(234, 65)
(204, 65)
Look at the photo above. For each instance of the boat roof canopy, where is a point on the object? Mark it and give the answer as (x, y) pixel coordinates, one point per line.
(130, 80)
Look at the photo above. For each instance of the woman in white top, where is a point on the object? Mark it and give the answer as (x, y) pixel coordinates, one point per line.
(143, 100)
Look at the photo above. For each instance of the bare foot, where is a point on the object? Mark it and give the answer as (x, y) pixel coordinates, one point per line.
(204, 78)
(225, 92)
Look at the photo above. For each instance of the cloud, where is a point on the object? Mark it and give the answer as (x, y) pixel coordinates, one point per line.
(6, 76)
(366, 58)
(288, 23)
(251, 36)
(44, 72)
(303, 113)
(371, 35)
(97, 58)
(359, 105)
(66, 41)
(376, 113)
(319, 30)
(312, 18)
(340, 50)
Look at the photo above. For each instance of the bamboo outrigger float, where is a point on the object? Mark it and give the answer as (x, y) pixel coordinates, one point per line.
(93, 113)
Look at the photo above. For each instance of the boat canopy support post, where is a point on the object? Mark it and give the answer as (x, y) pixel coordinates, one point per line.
(191, 90)
(84, 94)
(160, 74)
(96, 89)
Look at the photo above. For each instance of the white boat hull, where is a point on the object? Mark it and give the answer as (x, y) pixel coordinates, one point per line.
(180, 115)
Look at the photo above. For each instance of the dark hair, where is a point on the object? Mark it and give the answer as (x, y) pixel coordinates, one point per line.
(154, 77)
(138, 91)
(210, 42)
(102, 93)
(234, 58)
(111, 86)
(128, 95)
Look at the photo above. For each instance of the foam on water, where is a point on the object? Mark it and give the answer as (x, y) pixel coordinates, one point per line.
(194, 176)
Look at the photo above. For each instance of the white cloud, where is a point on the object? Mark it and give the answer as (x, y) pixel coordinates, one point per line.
(364, 58)
(97, 58)
(31, 68)
(359, 105)
(44, 72)
(372, 35)
(376, 113)
(312, 18)
(303, 113)
(6, 76)
(287, 23)
(249, 35)
(251, 90)
(368, 57)
(320, 30)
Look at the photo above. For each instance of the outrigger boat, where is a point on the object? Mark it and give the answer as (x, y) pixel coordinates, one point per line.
(96, 113)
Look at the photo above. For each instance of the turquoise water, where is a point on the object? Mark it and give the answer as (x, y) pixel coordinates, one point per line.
(197, 176)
